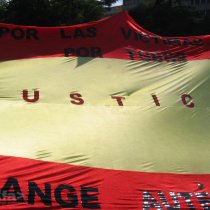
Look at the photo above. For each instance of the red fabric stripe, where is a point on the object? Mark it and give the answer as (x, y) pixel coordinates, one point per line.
(116, 189)
(113, 36)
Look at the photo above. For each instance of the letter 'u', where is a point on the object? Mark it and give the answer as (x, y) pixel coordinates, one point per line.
(31, 100)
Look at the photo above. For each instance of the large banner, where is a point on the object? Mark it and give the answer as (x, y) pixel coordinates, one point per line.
(103, 115)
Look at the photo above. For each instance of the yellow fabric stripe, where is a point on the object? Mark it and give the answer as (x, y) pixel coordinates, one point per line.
(138, 136)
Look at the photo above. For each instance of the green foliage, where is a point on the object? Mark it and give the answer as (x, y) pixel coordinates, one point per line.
(67, 12)
(3, 9)
(29, 12)
(108, 2)
(156, 16)
(162, 19)
(52, 12)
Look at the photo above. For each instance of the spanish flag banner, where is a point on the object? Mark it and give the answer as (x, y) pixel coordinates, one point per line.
(103, 115)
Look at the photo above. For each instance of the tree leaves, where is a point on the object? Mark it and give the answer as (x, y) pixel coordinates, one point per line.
(52, 12)
(161, 18)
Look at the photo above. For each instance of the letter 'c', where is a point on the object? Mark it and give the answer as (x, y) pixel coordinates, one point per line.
(185, 100)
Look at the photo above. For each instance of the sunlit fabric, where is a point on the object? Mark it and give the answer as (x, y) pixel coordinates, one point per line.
(104, 115)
